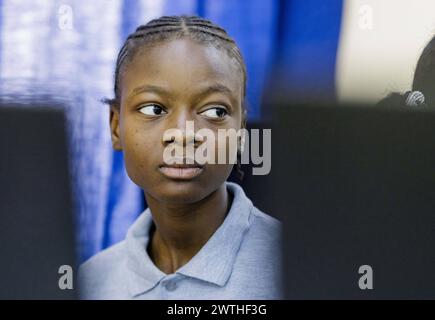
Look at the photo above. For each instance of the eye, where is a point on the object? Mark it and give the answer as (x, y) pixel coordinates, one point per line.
(215, 113)
(152, 110)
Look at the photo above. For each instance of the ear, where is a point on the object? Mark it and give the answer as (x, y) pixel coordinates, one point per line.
(114, 128)
(244, 118)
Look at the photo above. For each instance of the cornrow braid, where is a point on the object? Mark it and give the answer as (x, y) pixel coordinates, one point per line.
(175, 27)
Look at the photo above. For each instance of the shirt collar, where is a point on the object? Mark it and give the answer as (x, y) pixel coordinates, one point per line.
(213, 263)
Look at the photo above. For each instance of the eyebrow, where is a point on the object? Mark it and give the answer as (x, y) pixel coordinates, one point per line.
(216, 87)
(149, 88)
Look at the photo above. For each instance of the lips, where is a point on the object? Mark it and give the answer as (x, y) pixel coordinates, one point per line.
(181, 171)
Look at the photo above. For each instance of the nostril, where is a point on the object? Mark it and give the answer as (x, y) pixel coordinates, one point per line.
(172, 135)
(198, 137)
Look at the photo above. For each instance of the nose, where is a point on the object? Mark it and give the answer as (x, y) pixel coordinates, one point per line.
(181, 129)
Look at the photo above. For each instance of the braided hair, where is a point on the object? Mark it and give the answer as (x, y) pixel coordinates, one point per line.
(168, 28)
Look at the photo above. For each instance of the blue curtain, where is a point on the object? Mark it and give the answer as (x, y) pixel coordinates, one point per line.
(68, 51)
(308, 36)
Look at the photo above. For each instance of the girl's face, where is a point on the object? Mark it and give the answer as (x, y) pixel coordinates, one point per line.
(164, 86)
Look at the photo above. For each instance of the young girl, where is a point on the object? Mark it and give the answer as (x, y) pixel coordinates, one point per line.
(201, 237)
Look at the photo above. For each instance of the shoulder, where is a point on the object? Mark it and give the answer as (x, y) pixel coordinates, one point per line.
(258, 265)
(263, 236)
(264, 225)
(263, 218)
(258, 220)
(262, 241)
(99, 272)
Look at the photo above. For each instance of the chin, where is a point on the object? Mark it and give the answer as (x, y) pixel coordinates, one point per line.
(181, 192)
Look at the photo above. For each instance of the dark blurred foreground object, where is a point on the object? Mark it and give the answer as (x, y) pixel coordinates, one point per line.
(36, 222)
(356, 188)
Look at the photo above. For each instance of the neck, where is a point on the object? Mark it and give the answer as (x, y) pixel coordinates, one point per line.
(182, 230)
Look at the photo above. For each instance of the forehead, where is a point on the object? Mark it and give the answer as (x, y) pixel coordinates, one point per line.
(182, 65)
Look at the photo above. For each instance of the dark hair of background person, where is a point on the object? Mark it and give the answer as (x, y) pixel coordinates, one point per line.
(424, 80)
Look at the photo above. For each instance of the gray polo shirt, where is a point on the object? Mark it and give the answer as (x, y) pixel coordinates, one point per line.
(241, 260)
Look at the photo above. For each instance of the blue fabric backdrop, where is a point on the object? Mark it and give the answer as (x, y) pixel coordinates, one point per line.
(67, 50)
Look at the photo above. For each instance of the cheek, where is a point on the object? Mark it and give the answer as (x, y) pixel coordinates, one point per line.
(141, 150)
